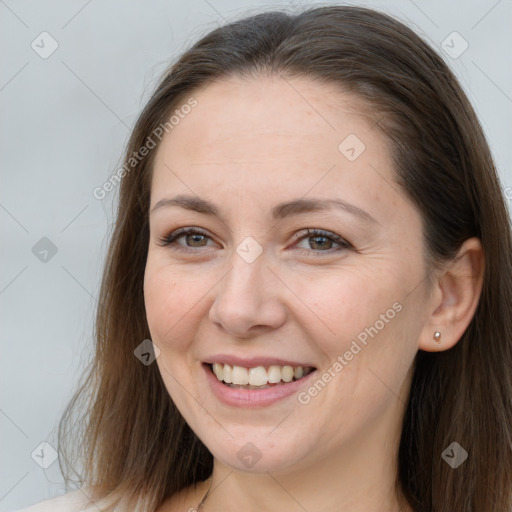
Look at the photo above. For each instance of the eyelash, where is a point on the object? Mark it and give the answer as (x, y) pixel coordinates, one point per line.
(170, 240)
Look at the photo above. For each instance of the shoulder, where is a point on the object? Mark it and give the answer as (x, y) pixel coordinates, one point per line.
(74, 501)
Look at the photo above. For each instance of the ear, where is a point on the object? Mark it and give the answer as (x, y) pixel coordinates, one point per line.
(454, 298)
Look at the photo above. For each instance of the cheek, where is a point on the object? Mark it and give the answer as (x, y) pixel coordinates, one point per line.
(344, 302)
(366, 319)
(168, 298)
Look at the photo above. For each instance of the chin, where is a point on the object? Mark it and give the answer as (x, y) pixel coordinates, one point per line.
(255, 451)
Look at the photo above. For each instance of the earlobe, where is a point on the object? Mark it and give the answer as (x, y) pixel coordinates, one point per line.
(454, 298)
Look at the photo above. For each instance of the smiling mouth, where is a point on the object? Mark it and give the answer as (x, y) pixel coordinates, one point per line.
(260, 377)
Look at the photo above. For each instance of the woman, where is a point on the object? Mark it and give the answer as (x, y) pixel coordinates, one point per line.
(306, 302)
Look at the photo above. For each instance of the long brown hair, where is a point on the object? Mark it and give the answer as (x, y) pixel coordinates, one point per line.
(135, 444)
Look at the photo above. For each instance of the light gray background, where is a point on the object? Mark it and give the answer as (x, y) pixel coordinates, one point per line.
(64, 121)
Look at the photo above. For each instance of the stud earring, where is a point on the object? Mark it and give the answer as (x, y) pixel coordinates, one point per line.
(437, 337)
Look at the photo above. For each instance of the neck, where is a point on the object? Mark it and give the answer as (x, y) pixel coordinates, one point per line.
(361, 477)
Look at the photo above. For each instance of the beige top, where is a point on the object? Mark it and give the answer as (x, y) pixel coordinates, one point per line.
(73, 501)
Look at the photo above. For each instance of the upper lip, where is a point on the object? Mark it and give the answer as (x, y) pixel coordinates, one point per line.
(253, 362)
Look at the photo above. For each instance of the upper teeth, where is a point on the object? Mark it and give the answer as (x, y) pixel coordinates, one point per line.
(258, 376)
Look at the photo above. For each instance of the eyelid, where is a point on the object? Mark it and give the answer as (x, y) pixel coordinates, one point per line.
(312, 232)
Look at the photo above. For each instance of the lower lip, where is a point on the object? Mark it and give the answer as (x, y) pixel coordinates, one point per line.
(253, 397)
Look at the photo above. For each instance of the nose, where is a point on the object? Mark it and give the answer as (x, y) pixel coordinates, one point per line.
(248, 300)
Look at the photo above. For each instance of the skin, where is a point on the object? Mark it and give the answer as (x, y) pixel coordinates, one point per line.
(248, 145)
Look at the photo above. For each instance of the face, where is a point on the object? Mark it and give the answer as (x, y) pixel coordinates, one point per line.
(337, 288)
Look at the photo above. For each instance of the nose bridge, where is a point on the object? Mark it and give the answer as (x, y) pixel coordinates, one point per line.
(245, 297)
(249, 270)
(245, 278)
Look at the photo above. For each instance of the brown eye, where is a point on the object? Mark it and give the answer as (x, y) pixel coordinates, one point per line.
(193, 237)
(322, 241)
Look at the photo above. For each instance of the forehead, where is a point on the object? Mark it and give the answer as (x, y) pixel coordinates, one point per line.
(266, 135)
(267, 115)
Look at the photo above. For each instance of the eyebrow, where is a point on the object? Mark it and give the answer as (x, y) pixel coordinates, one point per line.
(280, 211)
